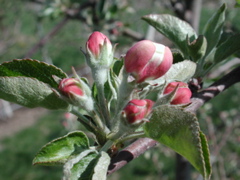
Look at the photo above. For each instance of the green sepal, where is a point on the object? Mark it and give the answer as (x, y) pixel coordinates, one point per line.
(32, 68)
(173, 28)
(118, 66)
(165, 99)
(60, 150)
(179, 130)
(30, 92)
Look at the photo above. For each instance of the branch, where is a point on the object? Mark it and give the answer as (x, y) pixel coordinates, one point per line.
(45, 39)
(141, 145)
(131, 152)
(213, 90)
(70, 14)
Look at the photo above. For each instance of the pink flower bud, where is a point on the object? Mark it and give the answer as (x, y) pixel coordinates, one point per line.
(136, 110)
(182, 95)
(95, 43)
(147, 60)
(77, 93)
(69, 86)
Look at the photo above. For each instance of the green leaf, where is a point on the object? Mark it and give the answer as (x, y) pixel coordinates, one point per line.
(177, 56)
(32, 68)
(213, 29)
(29, 92)
(101, 168)
(237, 4)
(165, 99)
(87, 166)
(197, 48)
(111, 86)
(180, 131)
(83, 168)
(206, 154)
(227, 48)
(118, 66)
(224, 36)
(59, 150)
(173, 28)
(181, 71)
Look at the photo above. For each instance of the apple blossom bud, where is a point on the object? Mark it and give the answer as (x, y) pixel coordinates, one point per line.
(76, 92)
(136, 110)
(182, 95)
(69, 86)
(147, 60)
(100, 48)
(99, 56)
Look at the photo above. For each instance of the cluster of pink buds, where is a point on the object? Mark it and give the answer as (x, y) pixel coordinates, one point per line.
(182, 95)
(136, 110)
(147, 60)
(144, 61)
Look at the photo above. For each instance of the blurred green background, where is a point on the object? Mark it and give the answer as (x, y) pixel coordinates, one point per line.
(24, 22)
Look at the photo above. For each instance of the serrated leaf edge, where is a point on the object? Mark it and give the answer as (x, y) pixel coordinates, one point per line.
(57, 139)
(35, 60)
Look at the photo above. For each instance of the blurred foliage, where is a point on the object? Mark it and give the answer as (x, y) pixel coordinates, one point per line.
(18, 152)
(22, 25)
(220, 121)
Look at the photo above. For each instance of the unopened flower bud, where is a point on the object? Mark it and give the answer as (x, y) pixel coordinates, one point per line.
(147, 60)
(99, 48)
(76, 92)
(182, 95)
(69, 86)
(99, 56)
(136, 110)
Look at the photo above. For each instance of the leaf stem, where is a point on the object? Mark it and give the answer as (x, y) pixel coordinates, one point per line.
(107, 145)
(103, 104)
(86, 120)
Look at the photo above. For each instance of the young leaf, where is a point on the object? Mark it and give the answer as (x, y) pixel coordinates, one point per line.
(197, 48)
(213, 29)
(177, 56)
(181, 71)
(118, 66)
(29, 92)
(32, 68)
(227, 48)
(224, 36)
(100, 170)
(59, 150)
(206, 154)
(79, 164)
(180, 131)
(173, 28)
(91, 166)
